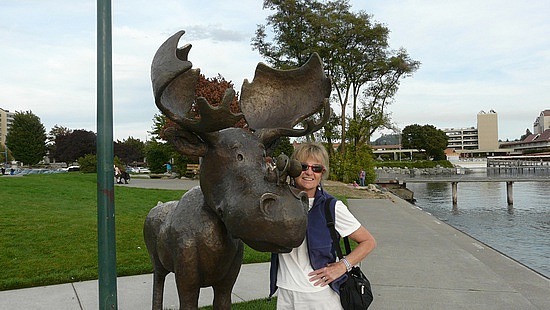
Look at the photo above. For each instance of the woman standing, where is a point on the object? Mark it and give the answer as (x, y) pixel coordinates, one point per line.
(309, 276)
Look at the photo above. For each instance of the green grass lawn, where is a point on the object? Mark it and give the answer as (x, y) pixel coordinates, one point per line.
(48, 229)
(258, 304)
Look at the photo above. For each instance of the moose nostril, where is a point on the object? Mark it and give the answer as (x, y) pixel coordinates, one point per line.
(266, 203)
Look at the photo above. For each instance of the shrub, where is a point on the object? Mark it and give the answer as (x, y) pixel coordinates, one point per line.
(88, 163)
(346, 168)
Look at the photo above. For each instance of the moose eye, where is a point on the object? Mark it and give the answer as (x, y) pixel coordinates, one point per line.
(240, 157)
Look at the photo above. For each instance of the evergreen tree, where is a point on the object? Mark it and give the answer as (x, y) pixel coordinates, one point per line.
(26, 138)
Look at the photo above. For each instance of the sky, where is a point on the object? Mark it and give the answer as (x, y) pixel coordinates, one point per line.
(476, 56)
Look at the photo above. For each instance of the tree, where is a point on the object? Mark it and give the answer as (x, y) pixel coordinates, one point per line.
(283, 146)
(129, 150)
(527, 134)
(158, 154)
(26, 138)
(56, 131)
(354, 50)
(73, 145)
(346, 167)
(428, 138)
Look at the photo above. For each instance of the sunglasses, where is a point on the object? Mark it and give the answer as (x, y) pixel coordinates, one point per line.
(315, 168)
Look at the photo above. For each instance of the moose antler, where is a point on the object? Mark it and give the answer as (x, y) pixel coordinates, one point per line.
(277, 100)
(174, 84)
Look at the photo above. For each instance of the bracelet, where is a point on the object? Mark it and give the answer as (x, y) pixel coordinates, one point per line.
(348, 265)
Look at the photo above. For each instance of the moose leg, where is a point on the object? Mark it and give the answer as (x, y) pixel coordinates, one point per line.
(188, 296)
(159, 277)
(223, 289)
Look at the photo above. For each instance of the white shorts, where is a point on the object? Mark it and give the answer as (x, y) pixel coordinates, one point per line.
(292, 300)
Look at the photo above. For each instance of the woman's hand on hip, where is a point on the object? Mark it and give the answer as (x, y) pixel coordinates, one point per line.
(323, 276)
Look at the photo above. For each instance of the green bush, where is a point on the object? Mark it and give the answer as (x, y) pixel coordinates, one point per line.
(88, 163)
(346, 168)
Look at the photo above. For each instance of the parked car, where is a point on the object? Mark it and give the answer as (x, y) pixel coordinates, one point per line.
(143, 170)
(72, 168)
(137, 170)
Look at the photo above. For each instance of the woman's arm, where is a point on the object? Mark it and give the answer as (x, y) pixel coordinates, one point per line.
(366, 244)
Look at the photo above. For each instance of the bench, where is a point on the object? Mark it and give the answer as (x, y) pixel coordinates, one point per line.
(192, 170)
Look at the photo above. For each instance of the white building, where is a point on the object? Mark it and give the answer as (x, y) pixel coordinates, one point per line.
(542, 122)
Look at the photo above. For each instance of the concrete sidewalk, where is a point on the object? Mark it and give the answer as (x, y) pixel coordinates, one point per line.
(134, 292)
(423, 263)
(420, 263)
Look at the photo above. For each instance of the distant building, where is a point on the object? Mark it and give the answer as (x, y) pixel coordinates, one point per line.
(536, 143)
(6, 118)
(462, 139)
(542, 122)
(481, 140)
(487, 127)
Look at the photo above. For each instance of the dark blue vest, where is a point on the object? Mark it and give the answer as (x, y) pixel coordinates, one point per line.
(319, 247)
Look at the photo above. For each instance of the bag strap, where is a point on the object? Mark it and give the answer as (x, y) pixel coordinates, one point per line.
(333, 233)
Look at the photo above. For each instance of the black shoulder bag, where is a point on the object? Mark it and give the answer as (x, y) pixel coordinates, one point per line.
(355, 292)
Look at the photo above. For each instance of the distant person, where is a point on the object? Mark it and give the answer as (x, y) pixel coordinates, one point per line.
(362, 177)
(3, 170)
(124, 175)
(118, 175)
(168, 168)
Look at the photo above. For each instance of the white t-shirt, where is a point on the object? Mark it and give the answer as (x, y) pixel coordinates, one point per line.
(295, 266)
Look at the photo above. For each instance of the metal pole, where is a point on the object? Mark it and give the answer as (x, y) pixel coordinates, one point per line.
(105, 174)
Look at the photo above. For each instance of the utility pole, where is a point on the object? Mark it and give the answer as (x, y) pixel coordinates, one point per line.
(105, 174)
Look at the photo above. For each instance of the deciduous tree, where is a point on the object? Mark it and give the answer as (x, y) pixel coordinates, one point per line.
(129, 150)
(73, 145)
(428, 138)
(355, 52)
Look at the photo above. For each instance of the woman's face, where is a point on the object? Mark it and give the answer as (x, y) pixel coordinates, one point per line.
(310, 179)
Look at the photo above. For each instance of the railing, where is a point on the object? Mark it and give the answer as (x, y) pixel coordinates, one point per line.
(403, 176)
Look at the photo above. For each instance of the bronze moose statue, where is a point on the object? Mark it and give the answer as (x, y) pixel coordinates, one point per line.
(241, 197)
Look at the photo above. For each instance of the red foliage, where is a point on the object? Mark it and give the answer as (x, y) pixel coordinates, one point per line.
(212, 89)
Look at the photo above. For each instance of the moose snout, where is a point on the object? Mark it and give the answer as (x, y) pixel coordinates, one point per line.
(272, 205)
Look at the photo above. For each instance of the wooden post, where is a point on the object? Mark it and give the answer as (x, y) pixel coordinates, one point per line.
(454, 186)
(510, 192)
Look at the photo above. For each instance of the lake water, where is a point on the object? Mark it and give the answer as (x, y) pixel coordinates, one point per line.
(521, 231)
